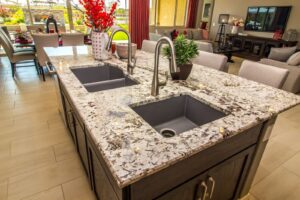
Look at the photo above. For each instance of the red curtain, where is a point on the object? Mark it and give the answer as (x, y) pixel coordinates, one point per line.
(139, 21)
(192, 13)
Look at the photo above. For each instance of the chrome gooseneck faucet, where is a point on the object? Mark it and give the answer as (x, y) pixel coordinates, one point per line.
(131, 61)
(173, 66)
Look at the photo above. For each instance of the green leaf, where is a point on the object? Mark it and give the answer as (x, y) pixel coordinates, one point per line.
(185, 50)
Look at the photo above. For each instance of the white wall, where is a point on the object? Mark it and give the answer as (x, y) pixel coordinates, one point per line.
(239, 8)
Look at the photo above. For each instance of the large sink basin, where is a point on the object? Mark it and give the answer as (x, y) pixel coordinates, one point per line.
(177, 114)
(102, 78)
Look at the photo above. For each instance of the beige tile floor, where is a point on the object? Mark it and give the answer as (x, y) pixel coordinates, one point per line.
(38, 160)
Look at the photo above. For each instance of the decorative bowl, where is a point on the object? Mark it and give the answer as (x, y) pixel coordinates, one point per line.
(122, 50)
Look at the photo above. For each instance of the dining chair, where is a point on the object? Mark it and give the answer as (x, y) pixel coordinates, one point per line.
(36, 28)
(261, 73)
(41, 41)
(204, 46)
(72, 39)
(16, 56)
(211, 60)
(15, 46)
(61, 28)
(4, 28)
(148, 46)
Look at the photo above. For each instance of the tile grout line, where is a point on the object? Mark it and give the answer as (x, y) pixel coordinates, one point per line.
(73, 179)
(47, 189)
(62, 190)
(34, 150)
(84, 176)
(39, 168)
(6, 196)
(48, 124)
(256, 198)
(10, 149)
(288, 168)
(291, 172)
(53, 149)
(271, 172)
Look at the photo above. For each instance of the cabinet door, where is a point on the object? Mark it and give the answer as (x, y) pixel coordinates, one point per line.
(69, 118)
(222, 181)
(225, 179)
(102, 186)
(237, 42)
(192, 190)
(81, 144)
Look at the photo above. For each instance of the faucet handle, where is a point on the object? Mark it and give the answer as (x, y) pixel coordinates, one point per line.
(134, 61)
(165, 81)
(131, 66)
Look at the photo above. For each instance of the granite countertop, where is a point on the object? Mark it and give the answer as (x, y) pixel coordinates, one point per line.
(131, 148)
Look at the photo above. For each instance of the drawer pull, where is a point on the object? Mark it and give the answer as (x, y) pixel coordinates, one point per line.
(204, 186)
(213, 183)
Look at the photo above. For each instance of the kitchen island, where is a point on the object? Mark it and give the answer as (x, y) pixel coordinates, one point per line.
(126, 158)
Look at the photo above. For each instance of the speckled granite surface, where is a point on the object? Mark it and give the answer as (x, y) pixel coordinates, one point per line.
(132, 148)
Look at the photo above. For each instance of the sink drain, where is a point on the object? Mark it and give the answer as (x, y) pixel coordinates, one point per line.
(167, 132)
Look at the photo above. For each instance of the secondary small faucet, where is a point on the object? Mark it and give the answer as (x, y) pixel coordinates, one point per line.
(173, 66)
(131, 61)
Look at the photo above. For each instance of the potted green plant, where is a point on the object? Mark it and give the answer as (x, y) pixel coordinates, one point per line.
(185, 50)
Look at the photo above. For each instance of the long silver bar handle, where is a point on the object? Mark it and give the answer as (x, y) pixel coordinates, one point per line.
(203, 184)
(51, 71)
(213, 183)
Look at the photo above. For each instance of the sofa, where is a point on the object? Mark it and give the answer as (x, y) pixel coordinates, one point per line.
(199, 36)
(191, 33)
(292, 83)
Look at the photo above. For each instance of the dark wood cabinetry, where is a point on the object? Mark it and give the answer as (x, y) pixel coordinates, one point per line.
(220, 182)
(255, 48)
(216, 173)
(81, 143)
(100, 180)
(77, 131)
(69, 117)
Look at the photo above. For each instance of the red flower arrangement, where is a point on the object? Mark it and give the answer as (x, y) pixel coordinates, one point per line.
(96, 15)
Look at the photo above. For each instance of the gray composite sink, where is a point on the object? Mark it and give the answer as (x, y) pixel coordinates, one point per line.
(102, 78)
(177, 114)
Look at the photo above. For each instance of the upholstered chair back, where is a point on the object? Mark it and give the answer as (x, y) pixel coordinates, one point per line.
(41, 41)
(266, 74)
(149, 46)
(215, 61)
(72, 39)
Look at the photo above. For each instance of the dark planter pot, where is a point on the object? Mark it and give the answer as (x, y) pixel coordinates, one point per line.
(184, 73)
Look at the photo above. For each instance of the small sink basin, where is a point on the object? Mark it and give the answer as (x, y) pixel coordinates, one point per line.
(102, 78)
(110, 84)
(177, 114)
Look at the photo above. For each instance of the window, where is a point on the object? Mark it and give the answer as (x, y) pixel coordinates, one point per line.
(34, 12)
(14, 13)
(121, 13)
(152, 12)
(181, 10)
(11, 14)
(168, 12)
(122, 18)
